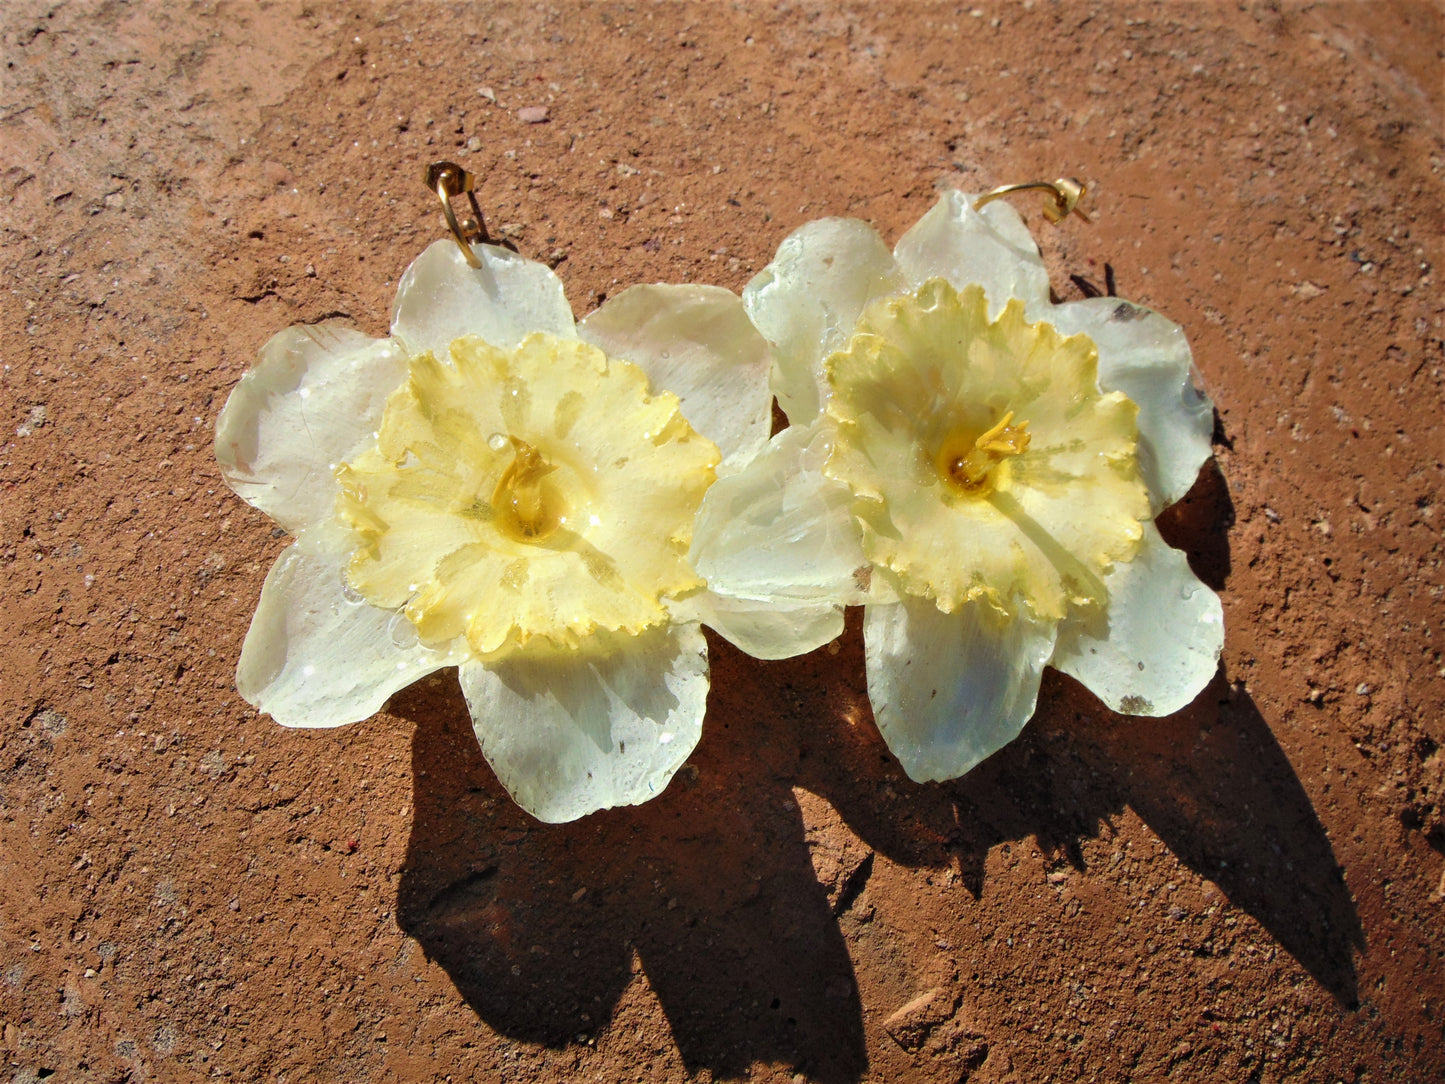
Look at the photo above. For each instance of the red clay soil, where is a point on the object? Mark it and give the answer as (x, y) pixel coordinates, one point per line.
(1250, 890)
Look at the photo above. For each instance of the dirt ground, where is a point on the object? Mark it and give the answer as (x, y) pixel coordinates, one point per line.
(1250, 890)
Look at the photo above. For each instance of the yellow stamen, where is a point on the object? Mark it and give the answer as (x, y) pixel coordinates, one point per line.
(526, 506)
(970, 468)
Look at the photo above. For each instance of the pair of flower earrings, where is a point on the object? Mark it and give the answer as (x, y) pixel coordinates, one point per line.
(556, 508)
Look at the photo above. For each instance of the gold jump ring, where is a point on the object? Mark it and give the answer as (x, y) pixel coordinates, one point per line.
(449, 180)
(1066, 194)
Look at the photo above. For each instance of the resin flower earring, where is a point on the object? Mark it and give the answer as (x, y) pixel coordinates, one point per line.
(497, 488)
(981, 469)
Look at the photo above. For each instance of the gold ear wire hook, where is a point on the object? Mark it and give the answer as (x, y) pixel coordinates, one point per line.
(449, 180)
(1066, 194)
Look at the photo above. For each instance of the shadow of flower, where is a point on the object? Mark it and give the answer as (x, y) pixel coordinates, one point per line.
(711, 889)
(1211, 781)
(1220, 792)
(1199, 523)
(710, 885)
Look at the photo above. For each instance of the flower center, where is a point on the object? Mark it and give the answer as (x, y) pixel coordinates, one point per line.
(527, 505)
(968, 463)
(956, 499)
(541, 493)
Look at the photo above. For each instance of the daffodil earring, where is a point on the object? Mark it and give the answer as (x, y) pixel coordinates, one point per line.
(498, 488)
(980, 468)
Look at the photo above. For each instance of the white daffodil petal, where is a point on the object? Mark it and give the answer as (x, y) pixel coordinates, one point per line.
(315, 396)
(780, 529)
(1158, 644)
(1147, 358)
(570, 732)
(949, 690)
(314, 657)
(765, 629)
(807, 300)
(698, 343)
(441, 298)
(992, 248)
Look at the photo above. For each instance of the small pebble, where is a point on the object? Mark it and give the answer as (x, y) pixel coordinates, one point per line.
(532, 114)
